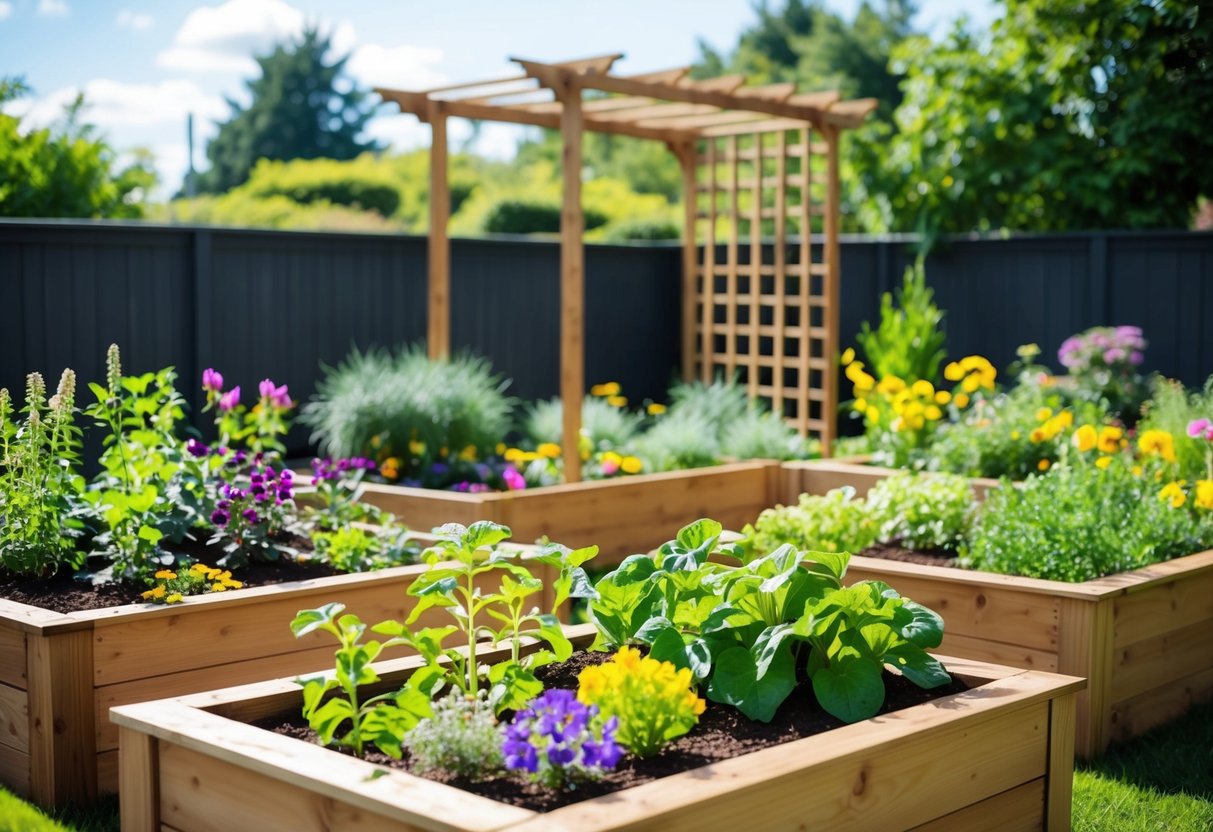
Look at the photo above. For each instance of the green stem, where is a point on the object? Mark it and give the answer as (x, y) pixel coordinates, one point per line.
(473, 673)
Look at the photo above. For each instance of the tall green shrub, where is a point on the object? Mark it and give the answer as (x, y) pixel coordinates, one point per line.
(908, 342)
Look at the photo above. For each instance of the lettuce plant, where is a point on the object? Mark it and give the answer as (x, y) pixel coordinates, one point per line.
(923, 512)
(744, 630)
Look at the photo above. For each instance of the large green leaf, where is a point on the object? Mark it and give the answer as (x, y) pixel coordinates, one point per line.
(918, 666)
(850, 689)
(735, 681)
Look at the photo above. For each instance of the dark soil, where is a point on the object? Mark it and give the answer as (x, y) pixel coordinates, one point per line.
(894, 551)
(723, 732)
(63, 593)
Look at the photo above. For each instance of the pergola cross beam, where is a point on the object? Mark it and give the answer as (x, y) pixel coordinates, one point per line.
(731, 323)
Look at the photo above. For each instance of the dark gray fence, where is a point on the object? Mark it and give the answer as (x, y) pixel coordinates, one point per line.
(257, 304)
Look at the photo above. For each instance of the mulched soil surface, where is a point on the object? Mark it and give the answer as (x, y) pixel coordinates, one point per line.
(722, 733)
(63, 593)
(893, 551)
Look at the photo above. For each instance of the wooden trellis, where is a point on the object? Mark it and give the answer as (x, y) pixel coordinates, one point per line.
(758, 162)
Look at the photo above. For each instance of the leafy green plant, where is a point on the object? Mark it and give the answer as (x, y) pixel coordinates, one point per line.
(521, 216)
(1079, 522)
(461, 737)
(746, 629)
(408, 410)
(653, 701)
(920, 511)
(39, 484)
(833, 522)
(141, 456)
(352, 549)
(908, 342)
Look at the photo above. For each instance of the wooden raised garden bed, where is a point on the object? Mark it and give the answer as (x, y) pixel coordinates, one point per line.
(622, 516)
(60, 673)
(1143, 639)
(999, 755)
(820, 475)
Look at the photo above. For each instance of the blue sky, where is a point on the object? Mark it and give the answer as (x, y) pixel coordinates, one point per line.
(145, 64)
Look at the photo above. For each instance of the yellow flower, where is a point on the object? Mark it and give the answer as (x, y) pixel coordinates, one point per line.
(971, 383)
(218, 588)
(1043, 413)
(942, 397)
(611, 388)
(1015, 435)
(156, 592)
(975, 362)
(933, 413)
(891, 385)
(1037, 436)
(1137, 470)
(656, 409)
(961, 401)
(416, 448)
(1110, 439)
(500, 448)
(631, 465)
(200, 568)
(390, 468)
(1103, 462)
(860, 405)
(1084, 438)
(1157, 442)
(923, 389)
(1064, 419)
(468, 453)
(1043, 465)
(175, 598)
(165, 575)
(549, 450)
(848, 355)
(953, 372)
(1173, 492)
(513, 455)
(617, 401)
(1204, 494)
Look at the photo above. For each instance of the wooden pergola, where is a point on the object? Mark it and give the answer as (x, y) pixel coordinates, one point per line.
(760, 159)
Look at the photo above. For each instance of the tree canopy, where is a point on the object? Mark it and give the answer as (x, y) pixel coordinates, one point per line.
(301, 107)
(65, 170)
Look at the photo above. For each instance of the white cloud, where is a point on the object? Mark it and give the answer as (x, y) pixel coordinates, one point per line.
(225, 38)
(128, 19)
(402, 67)
(6, 9)
(114, 104)
(52, 8)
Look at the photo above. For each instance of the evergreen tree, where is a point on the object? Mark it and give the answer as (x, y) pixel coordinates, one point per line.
(300, 108)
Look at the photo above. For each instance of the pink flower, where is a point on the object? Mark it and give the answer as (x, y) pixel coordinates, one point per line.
(212, 381)
(1113, 355)
(514, 481)
(609, 467)
(277, 396)
(230, 399)
(1201, 429)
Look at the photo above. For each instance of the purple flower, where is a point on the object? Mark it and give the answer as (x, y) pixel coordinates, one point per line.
(276, 396)
(554, 738)
(212, 381)
(1113, 355)
(250, 515)
(219, 517)
(230, 399)
(195, 448)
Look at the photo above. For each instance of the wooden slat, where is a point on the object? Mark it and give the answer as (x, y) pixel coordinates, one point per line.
(14, 720)
(1163, 608)
(697, 123)
(708, 316)
(755, 267)
(998, 652)
(12, 656)
(1133, 717)
(1084, 648)
(730, 299)
(1059, 788)
(1020, 809)
(782, 91)
(833, 292)
(821, 98)
(438, 331)
(804, 269)
(138, 775)
(572, 278)
(816, 149)
(871, 789)
(467, 85)
(651, 111)
(15, 771)
(780, 268)
(690, 254)
(107, 772)
(62, 753)
(1161, 660)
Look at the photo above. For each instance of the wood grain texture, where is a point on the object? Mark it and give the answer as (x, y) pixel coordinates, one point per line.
(1020, 809)
(438, 320)
(1133, 717)
(1085, 649)
(15, 771)
(1160, 660)
(14, 719)
(62, 750)
(1160, 608)
(12, 656)
(138, 776)
(572, 275)
(1059, 789)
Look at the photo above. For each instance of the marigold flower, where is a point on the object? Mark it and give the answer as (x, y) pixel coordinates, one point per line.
(891, 385)
(933, 413)
(848, 355)
(656, 409)
(1044, 413)
(1103, 462)
(942, 397)
(165, 575)
(1157, 442)
(1204, 494)
(1173, 492)
(961, 401)
(175, 598)
(1109, 439)
(923, 389)
(971, 383)
(611, 388)
(1084, 438)
(468, 454)
(1036, 436)
(953, 372)
(550, 450)
(617, 401)
(1043, 465)
(631, 465)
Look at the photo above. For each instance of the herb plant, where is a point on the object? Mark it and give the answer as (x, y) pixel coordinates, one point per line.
(652, 701)
(352, 549)
(39, 485)
(461, 737)
(923, 512)
(833, 522)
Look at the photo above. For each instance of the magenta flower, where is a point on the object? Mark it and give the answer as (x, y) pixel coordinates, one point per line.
(212, 381)
(514, 481)
(1201, 429)
(276, 396)
(230, 399)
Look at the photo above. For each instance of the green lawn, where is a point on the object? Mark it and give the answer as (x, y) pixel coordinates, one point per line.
(1162, 782)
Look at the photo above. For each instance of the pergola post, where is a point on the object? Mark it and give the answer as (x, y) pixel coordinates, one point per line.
(572, 277)
(832, 293)
(685, 151)
(438, 332)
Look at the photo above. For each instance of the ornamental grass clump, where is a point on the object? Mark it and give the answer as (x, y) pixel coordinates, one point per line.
(426, 422)
(652, 701)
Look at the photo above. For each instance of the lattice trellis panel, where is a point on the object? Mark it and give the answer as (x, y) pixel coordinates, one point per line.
(766, 311)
